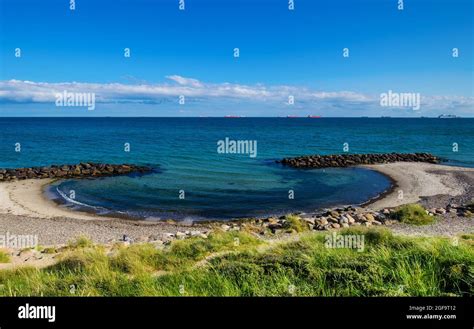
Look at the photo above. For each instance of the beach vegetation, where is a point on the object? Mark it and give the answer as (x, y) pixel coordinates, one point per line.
(412, 214)
(49, 250)
(294, 222)
(239, 264)
(80, 242)
(469, 213)
(4, 258)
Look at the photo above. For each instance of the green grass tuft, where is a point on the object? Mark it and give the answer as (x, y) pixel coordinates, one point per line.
(80, 242)
(295, 223)
(4, 258)
(412, 214)
(49, 250)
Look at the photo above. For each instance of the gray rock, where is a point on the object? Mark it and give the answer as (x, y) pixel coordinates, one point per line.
(322, 221)
(225, 227)
(343, 220)
(332, 220)
(350, 219)
(334, 213)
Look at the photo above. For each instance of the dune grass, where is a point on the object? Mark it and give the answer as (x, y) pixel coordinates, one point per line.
(4, 257)
(412, 214)
(295, 223)
(238, 264)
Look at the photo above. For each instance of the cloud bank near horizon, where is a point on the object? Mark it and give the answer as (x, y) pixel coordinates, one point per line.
(195, 91)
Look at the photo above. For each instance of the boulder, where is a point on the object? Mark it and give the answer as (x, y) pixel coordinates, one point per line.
(369, 217)
(350, 219)
(322, 221)
(225, 227)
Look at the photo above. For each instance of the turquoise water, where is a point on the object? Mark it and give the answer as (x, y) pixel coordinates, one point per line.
(183, 152)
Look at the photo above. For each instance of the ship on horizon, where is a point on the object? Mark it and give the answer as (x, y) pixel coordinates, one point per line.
(447, 116)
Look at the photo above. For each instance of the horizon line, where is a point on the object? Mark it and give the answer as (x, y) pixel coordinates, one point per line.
(234, 117)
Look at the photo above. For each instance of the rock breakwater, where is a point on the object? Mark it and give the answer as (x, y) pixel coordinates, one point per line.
(81, 170)
(347, 160)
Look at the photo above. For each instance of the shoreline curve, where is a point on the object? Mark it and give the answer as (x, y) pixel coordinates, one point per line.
(410, 181)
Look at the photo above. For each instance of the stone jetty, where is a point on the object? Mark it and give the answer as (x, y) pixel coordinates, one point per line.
(81, 170)
(347, 160)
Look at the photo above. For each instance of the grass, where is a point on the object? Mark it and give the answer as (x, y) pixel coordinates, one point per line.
(4, 258)
(80, 242)
(469, 211)
(295, 223)
(412, 214)
(238, 264)
(49, 250)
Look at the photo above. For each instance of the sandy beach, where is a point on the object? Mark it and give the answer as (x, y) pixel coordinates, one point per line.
(26, 198)
(433, 186)
(413, 181)
(24, 209)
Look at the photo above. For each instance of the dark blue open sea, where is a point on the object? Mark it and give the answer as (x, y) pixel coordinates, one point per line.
(184, 153)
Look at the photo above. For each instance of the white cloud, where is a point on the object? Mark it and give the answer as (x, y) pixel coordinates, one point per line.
(17, 91)
(185, 81)
(28, 91)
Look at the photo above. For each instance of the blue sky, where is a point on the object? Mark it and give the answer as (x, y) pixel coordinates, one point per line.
(298, 52)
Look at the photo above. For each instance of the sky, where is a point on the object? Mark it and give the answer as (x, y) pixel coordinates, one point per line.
(188, 55)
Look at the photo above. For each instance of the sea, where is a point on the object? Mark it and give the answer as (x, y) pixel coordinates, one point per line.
(198, 175)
